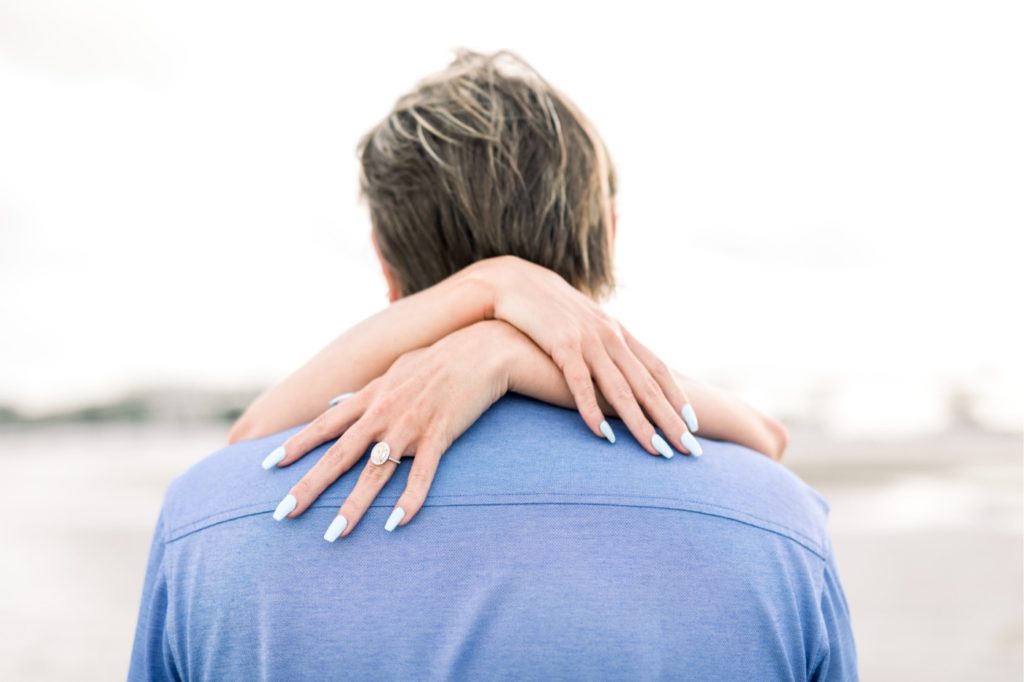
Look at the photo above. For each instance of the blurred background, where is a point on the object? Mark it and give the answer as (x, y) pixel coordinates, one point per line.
(820, 208)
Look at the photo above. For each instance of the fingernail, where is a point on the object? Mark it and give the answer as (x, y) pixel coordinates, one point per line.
(338, 398)
(659, 444)
(274, 457)
(396, 515)
(285, 507)
(691, 444)
(606, 429)
(690, 417)
(335, 529)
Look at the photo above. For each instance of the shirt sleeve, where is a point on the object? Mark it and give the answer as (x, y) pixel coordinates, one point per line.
(152, 658)
(837, 658)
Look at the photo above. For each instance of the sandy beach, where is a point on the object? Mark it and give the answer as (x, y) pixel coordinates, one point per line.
(928, 533)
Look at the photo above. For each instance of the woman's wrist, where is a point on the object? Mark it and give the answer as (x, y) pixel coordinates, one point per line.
(524, 367)
(483, 281)
(493, 346)
(497, 280)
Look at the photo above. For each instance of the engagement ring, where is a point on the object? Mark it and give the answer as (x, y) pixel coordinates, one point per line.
(381, 453)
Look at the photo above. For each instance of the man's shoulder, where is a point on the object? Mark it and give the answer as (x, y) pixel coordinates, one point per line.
(525, 452)
(226, 485)
(549, 450)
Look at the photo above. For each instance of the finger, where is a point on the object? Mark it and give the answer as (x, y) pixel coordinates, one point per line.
(421, 477)
(648, 392)
(619, 395)
(338, 459)
(329, 424)
(371, 481)
(675, 393)
(581, 385)
(672, 391)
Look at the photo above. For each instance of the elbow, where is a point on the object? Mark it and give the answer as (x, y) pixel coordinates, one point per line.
(777, 438)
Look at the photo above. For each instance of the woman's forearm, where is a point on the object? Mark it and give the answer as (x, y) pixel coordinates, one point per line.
(365, 352)
(722, 417)
(725, 417)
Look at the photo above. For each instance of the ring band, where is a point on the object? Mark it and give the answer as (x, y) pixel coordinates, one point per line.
(382, 453)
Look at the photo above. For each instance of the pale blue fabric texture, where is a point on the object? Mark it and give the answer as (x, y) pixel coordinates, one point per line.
(542, 553)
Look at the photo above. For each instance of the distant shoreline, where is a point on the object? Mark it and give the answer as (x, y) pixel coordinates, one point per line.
(145, 406)
(212, 406)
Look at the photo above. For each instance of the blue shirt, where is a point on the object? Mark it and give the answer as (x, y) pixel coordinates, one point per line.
(542, 553)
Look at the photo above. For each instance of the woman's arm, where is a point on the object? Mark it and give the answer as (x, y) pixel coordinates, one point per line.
(588, 347)
(722, 417)
(365, 352)
(725, 417)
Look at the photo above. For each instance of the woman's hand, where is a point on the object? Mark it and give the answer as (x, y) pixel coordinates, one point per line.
(418, 407)
(589, 348)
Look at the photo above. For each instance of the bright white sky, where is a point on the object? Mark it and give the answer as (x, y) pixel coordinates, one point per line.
(820, 204)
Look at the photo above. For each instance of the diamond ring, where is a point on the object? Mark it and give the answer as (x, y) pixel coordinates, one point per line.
(382, 453)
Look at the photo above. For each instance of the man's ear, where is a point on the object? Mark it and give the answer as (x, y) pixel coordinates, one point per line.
(394, 293)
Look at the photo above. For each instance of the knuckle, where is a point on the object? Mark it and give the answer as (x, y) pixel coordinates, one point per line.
(335, 455)
(621, 394)
(650, 391)
(593, 337)
(408, 423)
(588, 404)
(376, 415)
(572, 342)
(611, 330)
(321, 425)
(302, 490)
(383, 403)
(606, 327)
(435, 439)
(371, 388)
(373, 475)
(419, 481)
(352, 512)
(660, 370)
(578, 377)
(414, 496)
(377, 472)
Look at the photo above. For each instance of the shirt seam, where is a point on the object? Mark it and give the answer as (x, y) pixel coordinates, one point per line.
(751, 520)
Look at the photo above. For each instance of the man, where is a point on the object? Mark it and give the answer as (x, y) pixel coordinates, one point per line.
(540, 551)
(553, 557)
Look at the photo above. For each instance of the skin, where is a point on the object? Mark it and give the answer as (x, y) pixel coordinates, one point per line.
(424, 369)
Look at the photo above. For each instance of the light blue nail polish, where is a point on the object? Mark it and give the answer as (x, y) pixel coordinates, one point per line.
(274, 458)
(339, 398)
(659, 444)
(396, 516)
(606, 429)
(690, 417)
(692, 444)
(336, 528)
(285, 507)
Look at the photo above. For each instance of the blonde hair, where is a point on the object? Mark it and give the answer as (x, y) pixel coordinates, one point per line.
(486, 159)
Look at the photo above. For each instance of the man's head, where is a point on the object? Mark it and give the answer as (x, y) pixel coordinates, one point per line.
(486, 159)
